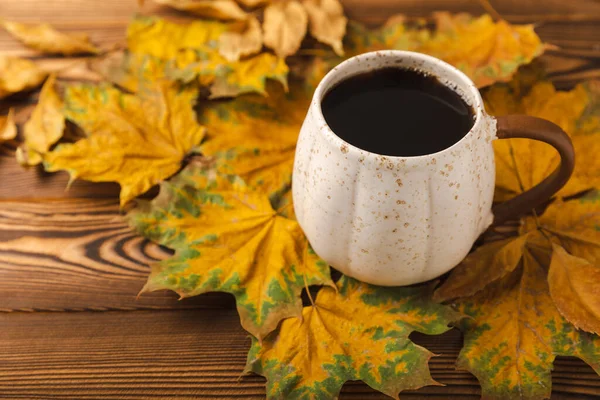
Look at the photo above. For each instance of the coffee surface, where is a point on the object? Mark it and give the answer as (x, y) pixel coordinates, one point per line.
(397, 112)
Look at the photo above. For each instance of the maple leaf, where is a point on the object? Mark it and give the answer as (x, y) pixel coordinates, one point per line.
(252, 3)
(219, 9)
(135, 141)
(359, 332)
(44, 38)
(8, 128)
(45, 126)
(228, 238)
(515, 332)
(521, 163)
(285, 24)
(190, 52)
(18, 75)
(255, 137)
(523, 315)
(485, 50)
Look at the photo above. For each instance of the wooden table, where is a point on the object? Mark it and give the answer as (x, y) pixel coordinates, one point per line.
(70, 269)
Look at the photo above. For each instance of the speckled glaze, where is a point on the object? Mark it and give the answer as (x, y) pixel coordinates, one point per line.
(394, 220)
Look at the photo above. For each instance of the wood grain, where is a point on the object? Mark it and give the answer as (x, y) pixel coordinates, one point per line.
(188, 354)
(68, 255)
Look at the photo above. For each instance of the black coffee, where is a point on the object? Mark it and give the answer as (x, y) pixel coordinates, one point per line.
(397, 112)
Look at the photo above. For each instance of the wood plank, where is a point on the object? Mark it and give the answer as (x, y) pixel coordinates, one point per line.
(189, 354)
(66, 255)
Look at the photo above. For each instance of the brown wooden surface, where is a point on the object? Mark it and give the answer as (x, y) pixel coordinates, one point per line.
(70, 269)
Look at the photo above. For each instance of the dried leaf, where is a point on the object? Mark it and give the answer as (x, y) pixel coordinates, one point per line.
(359, 332)
(327, 22)
(8, 128)
(188, 53)
(18, 75)
(284, 27)
(485, 265)
(218, 9)
(45, 126)
(255, 137)
(135, 141)
(515, 332)
(521, 163)
(253, 3)
(228, 238)
(248, 41)
(44, 38)
(575, 289)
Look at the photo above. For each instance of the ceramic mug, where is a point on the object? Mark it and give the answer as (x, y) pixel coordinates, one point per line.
(401, 220)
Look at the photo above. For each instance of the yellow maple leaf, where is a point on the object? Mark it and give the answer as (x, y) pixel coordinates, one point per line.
(44, 38)
(219, 9)
(359, 332)
(255, 137)
(8, 128)
(18, 75)
(190, 52)
(543, 284)
(515, 332)
(228, 238)
(285, 24)
(521, 163)
(327, 22)
(135, 141)
(45, 126)
(485, 50)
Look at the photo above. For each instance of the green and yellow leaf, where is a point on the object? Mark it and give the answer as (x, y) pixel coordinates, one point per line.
(191, 53)
(357, 332)
(135, 141)
(18, 75)
(255, 137)
(228, 238)
(44, 128)
(44, 38)
(521, 163)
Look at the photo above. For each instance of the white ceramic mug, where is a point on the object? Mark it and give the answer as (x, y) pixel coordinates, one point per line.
(402, 220)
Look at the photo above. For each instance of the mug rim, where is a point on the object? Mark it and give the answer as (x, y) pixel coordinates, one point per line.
(464, 83)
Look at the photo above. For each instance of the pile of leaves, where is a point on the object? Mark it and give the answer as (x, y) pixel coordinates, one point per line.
(211, 109)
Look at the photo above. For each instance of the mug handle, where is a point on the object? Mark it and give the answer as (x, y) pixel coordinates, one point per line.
(527, 127)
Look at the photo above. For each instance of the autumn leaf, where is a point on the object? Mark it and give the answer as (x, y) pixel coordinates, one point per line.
(8, 128)
(228, 238)
(190, 52)
(521, 163)
(255, 137)
(575, 289)
(44, 38)
(137, 141)
(485, 50)
(253, 3)
(247, 41)
(327, 22)
(45, 126)
(18, 75)
(523, 315)
(285, 24)
(219, 9)
(515, 332)
(359, 332)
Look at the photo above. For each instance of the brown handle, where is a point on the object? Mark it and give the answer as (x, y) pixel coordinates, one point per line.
(526, 127)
